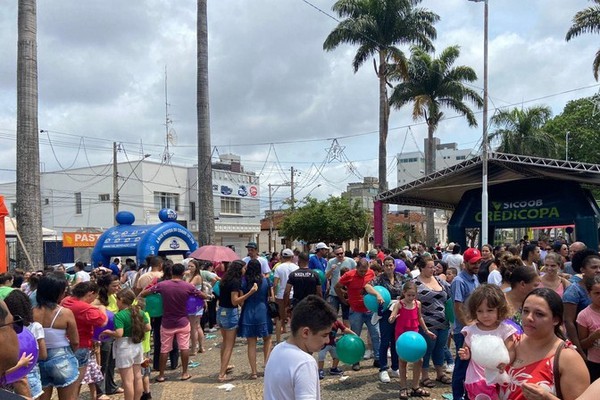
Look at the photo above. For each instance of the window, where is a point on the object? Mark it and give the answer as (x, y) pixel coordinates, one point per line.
(192, 211)
(461, 157)
(231, 205)
(166, 200)
(13, 209)
(104, 197)
(408, 160)
(78, 203)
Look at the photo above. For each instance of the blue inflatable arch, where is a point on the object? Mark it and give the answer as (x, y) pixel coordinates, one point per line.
(141, 241)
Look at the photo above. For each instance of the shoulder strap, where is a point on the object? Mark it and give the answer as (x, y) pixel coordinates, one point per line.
(556, 371)
(55, 316)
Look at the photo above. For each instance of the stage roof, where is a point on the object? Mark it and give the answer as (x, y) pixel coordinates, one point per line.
(444, 189)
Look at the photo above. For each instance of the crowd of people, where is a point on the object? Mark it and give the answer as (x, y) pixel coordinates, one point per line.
(541, 302)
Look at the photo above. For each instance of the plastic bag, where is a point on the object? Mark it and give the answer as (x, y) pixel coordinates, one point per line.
(489, 351)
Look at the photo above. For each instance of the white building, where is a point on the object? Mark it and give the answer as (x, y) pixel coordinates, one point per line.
(363, 191)
(82, 199)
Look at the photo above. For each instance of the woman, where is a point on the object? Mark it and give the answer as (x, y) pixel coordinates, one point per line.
(60, 368)
(433, 293)
(576, 296)
(108, 286)
(531, 256)
(229, 299)
(522, 280)
(392, 281)
(254, 319)
(487, 263)
(551, 279)
(87, 318)
(499, 275)
(531, 374)
(561, 249)
(196, 333)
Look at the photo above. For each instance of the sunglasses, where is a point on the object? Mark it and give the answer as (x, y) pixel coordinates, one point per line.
(17, 324)
(339, 254)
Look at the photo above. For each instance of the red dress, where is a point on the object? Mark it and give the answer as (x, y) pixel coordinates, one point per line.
(407, 319)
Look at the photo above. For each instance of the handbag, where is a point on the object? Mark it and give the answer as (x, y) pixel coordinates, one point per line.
(273, 309)
(555, 370)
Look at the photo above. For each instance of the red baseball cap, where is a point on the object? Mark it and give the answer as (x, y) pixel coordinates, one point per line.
(472, 255)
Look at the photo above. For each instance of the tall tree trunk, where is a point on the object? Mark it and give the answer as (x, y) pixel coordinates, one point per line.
(384, 116)
(430, 154)
(206, 226)
(29, 202)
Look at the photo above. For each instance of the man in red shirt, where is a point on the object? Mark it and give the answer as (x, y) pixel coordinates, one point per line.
(355, 281)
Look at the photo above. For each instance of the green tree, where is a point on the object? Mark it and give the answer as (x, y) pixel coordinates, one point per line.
(587, 21)
(334, 220)
(29, 198)
(377, 27)
(432, 84)
(581, 120)
(521, 131)
(206, 221)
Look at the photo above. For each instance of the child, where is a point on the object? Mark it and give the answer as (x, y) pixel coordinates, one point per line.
(588, 328)
(93, 374)
(146, 369)
(487, 306)
(130, 326)
(407, 314)
(451, 273)
(330, 348)
(19, 304)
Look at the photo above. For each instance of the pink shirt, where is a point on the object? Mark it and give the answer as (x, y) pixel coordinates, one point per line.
(590, 319)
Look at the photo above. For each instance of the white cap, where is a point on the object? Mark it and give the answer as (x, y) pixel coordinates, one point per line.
(287, 253)
(321, 245)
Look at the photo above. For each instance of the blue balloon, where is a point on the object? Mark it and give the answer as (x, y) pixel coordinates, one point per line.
(411, 346)
(371, 300)
(400, 266)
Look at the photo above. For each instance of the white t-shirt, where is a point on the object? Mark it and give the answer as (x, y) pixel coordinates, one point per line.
(264, 264)
(82, 276)
(291, 374)
(37, 330)
(282, 272)
(495, 277)
(455, 260)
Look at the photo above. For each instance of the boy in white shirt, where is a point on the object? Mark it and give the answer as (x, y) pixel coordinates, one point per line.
(291, 372)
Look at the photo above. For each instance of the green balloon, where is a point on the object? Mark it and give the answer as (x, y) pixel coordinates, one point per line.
(450, 310)
(350, 349)
(154, 305)
(321, 275)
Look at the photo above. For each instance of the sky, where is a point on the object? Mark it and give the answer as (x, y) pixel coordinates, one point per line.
(277, 99)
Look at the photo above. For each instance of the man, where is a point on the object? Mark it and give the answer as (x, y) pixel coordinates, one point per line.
(332, 273)
(291, 372)
(280, 282)
(574, 248)
(355, 282)
(303, 282)
(175, 323)
(319, 261)
(252, 248)
(461, 288)
(6, 281)
(115, 267)
(9, 351)
(80, 274)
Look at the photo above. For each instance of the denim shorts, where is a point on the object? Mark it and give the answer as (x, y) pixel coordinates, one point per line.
(60, 368)
(34, 382)
(83, 357)
(228, 318)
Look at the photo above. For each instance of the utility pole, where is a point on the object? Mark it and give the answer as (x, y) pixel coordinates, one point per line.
(115, 183)
(270, 219)
(292, 187)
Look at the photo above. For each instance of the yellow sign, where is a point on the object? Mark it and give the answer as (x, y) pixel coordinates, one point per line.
(80, 239)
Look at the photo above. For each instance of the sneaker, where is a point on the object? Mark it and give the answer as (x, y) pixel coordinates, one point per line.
(211, 330)
(384, 377)
(368, 354)
(335, 371)
(321, 374)
(395, 373)
(376, 364)
(356, 367)
(450, 368)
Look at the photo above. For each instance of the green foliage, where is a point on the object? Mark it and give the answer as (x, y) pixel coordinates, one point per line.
(581, 118)
(587, 21)
(400, 235)
(334, 220)
(522, 132)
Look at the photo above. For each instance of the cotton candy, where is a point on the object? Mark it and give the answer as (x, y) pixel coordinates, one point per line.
(489, 351)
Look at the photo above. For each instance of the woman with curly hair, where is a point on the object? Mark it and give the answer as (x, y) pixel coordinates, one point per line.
(254, 319)
(230, 297)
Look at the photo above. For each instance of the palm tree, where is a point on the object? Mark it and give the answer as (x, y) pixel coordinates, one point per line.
(431, 84)
(29, 201)
(521, 131)
(377, 26)
(206, 221)
(587, 21)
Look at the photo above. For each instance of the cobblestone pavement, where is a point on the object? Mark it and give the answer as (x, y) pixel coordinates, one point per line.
(363, 384)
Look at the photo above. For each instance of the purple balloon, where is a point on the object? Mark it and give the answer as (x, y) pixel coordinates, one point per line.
(400, 266)
(109, 325)
(194, 304)
(27, 345)
(515, 325)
